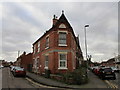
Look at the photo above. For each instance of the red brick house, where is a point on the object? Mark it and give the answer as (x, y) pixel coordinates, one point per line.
(58, 50)
(104, 63)
(25, 60)
(111, 62)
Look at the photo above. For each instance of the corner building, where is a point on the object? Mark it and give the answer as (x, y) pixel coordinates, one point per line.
(58, 50)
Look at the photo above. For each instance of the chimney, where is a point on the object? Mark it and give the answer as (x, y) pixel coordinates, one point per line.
(54, 20)
(24, 53)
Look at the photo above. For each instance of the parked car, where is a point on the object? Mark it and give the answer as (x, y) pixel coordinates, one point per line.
(107, 73)
(12, 68)
(96, 71)
(115, 69)
(93, 68)
(1, 66)
(18, 71)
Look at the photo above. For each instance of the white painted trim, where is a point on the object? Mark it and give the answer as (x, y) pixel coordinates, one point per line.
(46, 47)
(62, 31)
(62, 25)
(62, 44)
(62, 68)
(62, 52)
(46, 54)
(47, 35)
(48, 41)
(63, 60)
(46, 68)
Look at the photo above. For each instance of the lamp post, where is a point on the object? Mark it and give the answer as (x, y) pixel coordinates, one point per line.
(86, 39)
(86, 43)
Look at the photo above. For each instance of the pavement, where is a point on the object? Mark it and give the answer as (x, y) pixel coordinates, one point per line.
(94, 82)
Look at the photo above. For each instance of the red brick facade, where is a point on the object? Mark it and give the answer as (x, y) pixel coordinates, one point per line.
(109, 63)
(58, 49)
(25, 60)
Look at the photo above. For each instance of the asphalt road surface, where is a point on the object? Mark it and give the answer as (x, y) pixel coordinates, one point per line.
(117, 81)
(9, 81)
(19, 83)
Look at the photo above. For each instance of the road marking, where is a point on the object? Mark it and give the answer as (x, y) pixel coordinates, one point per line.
(38, 83)
(111, 84)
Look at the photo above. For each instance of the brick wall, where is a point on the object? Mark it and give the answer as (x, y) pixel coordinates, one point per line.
(54, 49)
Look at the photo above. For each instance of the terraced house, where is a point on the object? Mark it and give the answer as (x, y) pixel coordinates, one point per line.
(58, 50)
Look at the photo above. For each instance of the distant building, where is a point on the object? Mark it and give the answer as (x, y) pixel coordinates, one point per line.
(1, 61)
(25, 60)
(104, 63)
(4, 63)
(58, 50)
(117, 61)
(109, 63)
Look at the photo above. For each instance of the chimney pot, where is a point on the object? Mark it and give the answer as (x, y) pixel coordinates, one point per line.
(54, 20)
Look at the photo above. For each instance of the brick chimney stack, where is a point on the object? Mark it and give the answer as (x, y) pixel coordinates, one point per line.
(54, 20)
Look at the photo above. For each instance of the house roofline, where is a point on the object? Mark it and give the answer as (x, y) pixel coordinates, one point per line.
(61, 17)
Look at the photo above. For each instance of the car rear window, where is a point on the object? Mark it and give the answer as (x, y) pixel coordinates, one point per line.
(21, 69)
(108, 70)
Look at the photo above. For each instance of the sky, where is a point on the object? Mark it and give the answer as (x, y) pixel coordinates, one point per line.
(22, 23)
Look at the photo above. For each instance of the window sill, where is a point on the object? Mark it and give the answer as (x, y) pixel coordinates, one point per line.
(62, 45)
(46, 67)
(62, 68)
(46, 47)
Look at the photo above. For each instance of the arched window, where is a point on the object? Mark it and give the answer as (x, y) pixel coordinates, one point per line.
(62, 26)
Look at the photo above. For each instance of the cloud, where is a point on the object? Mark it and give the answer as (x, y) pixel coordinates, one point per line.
(24, 22)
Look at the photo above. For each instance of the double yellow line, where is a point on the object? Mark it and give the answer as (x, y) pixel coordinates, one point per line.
(44, 86)
(37, 84)
(111, 84)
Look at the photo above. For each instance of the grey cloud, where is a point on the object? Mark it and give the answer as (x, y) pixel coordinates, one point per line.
(23, 23)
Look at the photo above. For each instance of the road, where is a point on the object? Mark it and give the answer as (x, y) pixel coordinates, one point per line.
(9, 81)
(116, 82)
(111, 83)
(96, 82)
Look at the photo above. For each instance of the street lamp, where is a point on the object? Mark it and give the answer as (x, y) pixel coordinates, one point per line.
(86, 40)
(86, 44)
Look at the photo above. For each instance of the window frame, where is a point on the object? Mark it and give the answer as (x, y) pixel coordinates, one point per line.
(39, 46)
(59, 66)
(46, 66)
(62, 44)
(34, 49)
(47, 46)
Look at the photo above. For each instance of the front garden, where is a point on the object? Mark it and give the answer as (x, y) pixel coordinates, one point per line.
(77, 77)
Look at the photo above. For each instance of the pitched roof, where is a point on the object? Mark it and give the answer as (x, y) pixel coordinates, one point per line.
(62, 19)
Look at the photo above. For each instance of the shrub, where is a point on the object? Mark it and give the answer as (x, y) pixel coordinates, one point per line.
(67, 76)
(79, 76)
